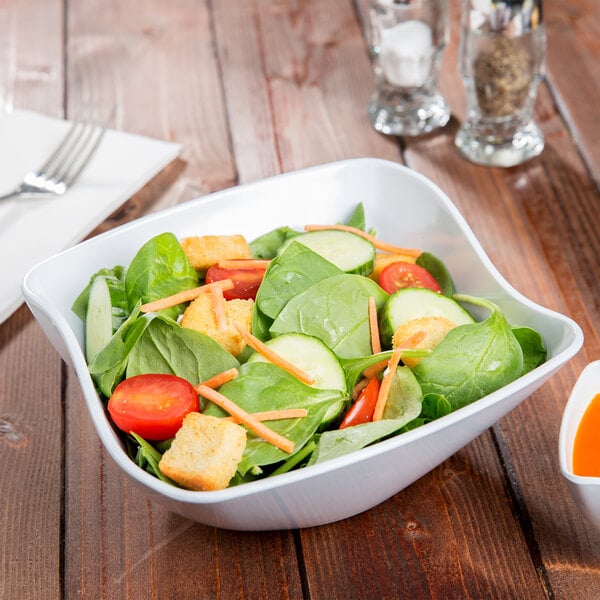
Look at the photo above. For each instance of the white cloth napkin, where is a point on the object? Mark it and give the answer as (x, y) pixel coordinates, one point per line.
(34, 229)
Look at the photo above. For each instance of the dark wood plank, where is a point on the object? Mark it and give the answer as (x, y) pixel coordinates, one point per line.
(31, 452)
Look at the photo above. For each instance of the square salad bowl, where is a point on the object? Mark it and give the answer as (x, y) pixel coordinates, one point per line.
(405, 209)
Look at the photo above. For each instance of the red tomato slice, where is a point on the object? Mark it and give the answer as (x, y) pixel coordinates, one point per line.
(364, 407)
(152, 405)
(406, 275)
(245, 281)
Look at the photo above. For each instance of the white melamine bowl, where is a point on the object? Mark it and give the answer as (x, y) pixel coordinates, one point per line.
(406, 209)
(585, 490)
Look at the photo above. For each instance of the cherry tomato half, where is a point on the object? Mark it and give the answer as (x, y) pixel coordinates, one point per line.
(152, 405)
(399, 275)
(245, 281)
(362, 410)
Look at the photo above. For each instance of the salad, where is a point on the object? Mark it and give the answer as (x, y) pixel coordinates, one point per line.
(223, 361)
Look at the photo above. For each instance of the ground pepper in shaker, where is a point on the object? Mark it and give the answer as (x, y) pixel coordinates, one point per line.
(501, 55)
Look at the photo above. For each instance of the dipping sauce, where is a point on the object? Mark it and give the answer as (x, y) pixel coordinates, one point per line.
(586, 449)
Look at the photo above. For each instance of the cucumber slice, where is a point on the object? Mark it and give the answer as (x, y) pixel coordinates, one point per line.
(312, 356)
(98, 318)
(413, 303)
(347, 251)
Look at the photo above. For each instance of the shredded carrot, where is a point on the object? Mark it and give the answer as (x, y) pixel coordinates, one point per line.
(185, 296)
(219, 379)
(374, 326)
(359, 387)
(243, 263)
(375, 369)
(413, 340)
(240, 415)
(274, 415)
(218, 304)
(386, 384)
(381, 245)
(273, 357)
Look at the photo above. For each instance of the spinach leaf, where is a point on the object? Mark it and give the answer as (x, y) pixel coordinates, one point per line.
(166, 347)
(354, 367)
(147, 457)
(296, 269)
(336, 311)
(439, 271)
(472, 360)
(435, 406)
(263, 386)
(108, 366)
(115, 278)
(260, 324)
(532, 345)
(159, 269)
(357, 218)
(404, 401)
(339, 442)
(266, 245)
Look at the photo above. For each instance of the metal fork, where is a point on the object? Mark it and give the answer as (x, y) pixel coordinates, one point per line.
(64, 166)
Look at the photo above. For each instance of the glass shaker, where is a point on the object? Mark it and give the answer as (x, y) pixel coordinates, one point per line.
(406, 42)
(501, 56)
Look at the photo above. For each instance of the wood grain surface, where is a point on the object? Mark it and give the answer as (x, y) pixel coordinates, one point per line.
(252, 89)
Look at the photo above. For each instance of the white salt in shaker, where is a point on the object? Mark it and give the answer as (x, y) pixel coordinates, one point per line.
(406, 42)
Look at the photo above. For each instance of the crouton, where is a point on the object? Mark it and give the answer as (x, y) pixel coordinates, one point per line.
(205, 453)
(434, 329)
(383, 260)
(200, 315)
(204, 251)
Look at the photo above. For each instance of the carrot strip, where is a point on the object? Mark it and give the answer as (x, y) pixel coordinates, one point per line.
(243, 263)
(274, 415)
(273, 357)
(185, 296)
(218, 303)
(219, 379)
(386, 384)
(238, 413)
(375, 369)
(381, 245)
(374, 327)
(359, 387)
(413, 340)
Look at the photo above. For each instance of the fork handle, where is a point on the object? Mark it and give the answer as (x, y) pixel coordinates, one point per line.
(10, 195)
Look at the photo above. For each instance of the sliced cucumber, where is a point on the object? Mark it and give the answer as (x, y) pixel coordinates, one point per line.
(349, 252)
(312, 356)
(413, 303)
(98, 318)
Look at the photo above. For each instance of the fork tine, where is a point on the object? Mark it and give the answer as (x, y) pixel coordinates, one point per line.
(64, 142)
(80, 161)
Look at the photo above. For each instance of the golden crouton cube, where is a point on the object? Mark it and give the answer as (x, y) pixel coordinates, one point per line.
(427, 331)
(200, 315)
(383, 260)
(205, 453)
(204, 251)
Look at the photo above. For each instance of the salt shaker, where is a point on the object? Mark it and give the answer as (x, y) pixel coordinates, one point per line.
(501, 56)
(406, 42)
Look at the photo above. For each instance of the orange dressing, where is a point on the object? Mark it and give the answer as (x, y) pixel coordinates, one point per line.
(586, 449)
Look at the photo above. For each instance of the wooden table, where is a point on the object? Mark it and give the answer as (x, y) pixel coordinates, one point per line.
(252, 89)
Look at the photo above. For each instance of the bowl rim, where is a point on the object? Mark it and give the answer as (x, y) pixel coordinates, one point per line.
(111, 440)
(579, 400)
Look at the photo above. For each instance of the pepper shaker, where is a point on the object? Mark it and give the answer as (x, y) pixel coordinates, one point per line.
(501, 56)
(406, 42)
